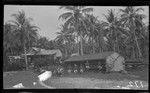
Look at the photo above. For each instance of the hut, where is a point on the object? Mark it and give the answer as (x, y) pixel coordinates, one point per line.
(106, 61)
(41, 56)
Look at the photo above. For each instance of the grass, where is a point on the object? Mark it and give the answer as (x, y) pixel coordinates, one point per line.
(87, 83)
(98, 80)
(13, 78)
(85, 80)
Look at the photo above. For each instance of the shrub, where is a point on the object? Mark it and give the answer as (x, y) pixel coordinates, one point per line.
(16, 66)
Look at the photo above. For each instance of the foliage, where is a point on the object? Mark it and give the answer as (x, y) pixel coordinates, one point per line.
(123, 33)
(74, 19)
(83, 33)
(19, 34)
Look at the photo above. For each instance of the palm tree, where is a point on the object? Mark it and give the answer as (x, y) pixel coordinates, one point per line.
(74, 17)
(23, 30)
(32, 35)
(64, 37)
(9, 39)
(90, 21)
(42, 42)
(9, 42)
(143, 39)
(112, 27)
(114, 30)
(132, 19)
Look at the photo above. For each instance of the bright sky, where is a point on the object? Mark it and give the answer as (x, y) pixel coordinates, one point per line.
(46, 17)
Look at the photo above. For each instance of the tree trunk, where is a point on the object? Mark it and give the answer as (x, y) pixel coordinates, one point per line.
(137, 44)
(133, 53)
(117, 45)
(93, 50)
(25, 55)
(81, 45)
(78, 45)
(11, 52)
(114, 46)
(66, 54)
(138, 47)
(99, 45)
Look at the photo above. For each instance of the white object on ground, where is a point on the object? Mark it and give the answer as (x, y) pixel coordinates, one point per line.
(44, 76)
(44, 85)
(125, 87)
(81, 70)
(34, 83)
(119, 87)
(18, 86)
(75, 71)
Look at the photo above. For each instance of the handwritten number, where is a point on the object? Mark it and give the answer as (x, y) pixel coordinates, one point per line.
(141, 84)
(136, 83)
(130, 84)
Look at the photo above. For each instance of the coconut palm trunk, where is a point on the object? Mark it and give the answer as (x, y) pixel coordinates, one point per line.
(78, 45)
(93, 46)
(25, 56)
(11, 51)
(118, 50)
(66, 54)
(116, 45)
(81, 45)
(137, 44)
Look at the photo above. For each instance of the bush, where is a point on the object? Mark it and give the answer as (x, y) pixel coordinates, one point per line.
(16, 66)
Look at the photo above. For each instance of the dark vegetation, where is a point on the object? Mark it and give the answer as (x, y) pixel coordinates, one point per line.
(81, 32)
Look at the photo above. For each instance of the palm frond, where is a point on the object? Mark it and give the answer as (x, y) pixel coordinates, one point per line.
(14, 22)
(69, 8)
(139, 9)
(104, 24)
(122, 10)
(110, 17)
(65, 15)
(70, 21)
(140, 16)
(61, 7)
(87, 10)
(124, 15)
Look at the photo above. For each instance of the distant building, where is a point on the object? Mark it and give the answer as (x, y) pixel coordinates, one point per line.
(110, 61)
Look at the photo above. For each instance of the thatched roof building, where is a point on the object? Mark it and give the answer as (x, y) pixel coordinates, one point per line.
(98, 56)
(39, 51)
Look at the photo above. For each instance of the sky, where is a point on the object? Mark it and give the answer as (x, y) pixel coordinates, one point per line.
(46, 17)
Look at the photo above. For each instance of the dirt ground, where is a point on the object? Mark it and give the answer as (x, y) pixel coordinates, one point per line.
(90, 80)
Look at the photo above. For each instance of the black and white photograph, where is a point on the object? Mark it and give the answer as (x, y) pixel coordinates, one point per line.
(75, 47)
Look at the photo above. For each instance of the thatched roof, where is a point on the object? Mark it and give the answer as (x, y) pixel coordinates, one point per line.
(99, 56)
(39, 51)
(15, 57)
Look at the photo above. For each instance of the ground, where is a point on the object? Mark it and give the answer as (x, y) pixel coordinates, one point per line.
(86, 80)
